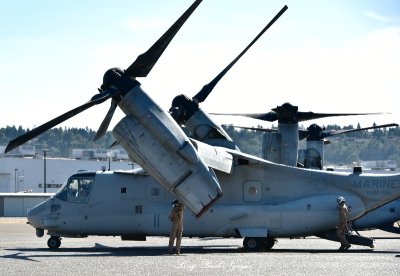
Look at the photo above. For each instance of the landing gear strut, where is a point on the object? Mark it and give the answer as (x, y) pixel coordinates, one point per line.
(54, 242)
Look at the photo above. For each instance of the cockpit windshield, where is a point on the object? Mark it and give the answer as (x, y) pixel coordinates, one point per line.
(77, 189)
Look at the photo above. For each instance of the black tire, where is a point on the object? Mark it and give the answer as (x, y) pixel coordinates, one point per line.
(54, 242)
(269, 242)
(252, 244)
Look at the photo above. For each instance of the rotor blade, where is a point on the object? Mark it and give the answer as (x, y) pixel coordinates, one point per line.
(106, 121)
(254, 128)
(206, 90)
(96, 99)
(304, 116)
(302, 133)
(337, 132)
(113, 144)
(269, 116)
(146, 61)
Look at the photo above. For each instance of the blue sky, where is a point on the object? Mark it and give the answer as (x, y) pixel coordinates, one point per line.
(324, 56)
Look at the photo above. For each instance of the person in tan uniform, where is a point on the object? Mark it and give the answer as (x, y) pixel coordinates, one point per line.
(176, 217)
(341, 228)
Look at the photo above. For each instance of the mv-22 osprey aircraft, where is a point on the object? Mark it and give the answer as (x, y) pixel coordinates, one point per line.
(229, 193)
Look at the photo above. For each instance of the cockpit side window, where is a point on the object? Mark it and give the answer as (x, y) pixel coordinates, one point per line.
(76, 190)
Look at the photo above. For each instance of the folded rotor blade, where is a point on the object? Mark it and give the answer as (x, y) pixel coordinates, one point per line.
(337, 132)
(302, 133)
(96, 99)
(206, 90)
(289, 114)
(106, 121)
(304, 116)
(254, 128)
(269, 116)
(145, 62)
(115, 143)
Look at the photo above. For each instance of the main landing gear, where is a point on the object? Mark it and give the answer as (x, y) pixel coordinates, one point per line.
(257, 244)
(54, 242)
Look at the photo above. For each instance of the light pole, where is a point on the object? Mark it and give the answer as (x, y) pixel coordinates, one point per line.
(44, 170)
(15, 180)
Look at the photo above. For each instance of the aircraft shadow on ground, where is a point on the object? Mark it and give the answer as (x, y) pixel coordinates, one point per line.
(99, 250)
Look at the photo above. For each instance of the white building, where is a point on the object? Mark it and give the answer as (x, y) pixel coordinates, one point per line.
(27, 174)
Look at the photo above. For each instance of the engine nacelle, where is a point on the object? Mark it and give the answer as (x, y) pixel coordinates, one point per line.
(155, 141)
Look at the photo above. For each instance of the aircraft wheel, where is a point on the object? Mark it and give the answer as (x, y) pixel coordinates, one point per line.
(54, 242)
(269, 242)
(252, 244)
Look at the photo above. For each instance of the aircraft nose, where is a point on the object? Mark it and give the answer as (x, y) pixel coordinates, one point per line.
(35, 215)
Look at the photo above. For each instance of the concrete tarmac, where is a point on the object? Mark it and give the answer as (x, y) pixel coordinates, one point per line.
(22, 253)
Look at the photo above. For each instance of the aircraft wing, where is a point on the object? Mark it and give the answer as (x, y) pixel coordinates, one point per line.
(222, 158)
(214, 157)
(247, 159)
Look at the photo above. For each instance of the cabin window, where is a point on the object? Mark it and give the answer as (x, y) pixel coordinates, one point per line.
(138, 209)
(154, 193)
(252, 191)
(76, 190)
